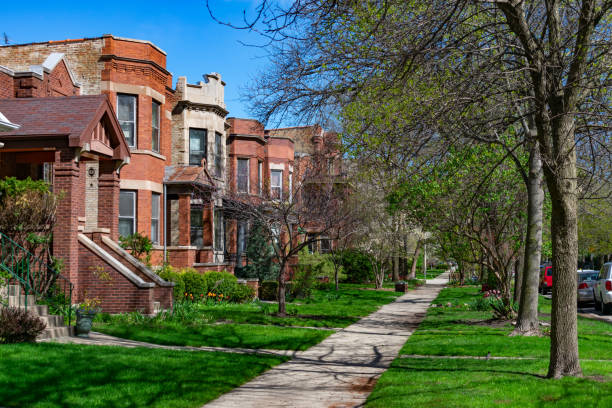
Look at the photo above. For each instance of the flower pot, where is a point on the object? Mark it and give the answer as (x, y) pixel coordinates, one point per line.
(84, 322)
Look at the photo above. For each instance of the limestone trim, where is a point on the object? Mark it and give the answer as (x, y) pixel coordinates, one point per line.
(132, 89)
(118, 266)
(277, 166)
(201, 107)
(148, 152)
(135, 262)
(130, 184)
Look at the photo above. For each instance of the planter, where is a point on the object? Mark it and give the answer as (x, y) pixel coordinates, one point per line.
(84, 322)
(401, 287)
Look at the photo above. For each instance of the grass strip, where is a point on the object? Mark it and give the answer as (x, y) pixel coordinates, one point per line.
(47, 375)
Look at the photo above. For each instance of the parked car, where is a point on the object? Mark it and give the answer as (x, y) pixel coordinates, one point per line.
(603, 289)
(546, 279)
(586, 283)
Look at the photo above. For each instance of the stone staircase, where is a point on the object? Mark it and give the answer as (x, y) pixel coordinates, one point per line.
(55, 324)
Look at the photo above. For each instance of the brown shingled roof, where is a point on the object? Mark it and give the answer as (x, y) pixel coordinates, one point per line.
(71, 116)
(188, 175)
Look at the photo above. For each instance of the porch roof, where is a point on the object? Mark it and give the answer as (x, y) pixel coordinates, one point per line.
(188, 175)
(75, 117)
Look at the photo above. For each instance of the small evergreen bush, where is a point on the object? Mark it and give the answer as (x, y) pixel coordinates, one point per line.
(221, 282)
(19, 326)
(357, 266)
(170, 275)
(242, 294)
(196, 284)
(269, 290)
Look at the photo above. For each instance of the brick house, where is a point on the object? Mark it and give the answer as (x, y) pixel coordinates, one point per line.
(179, 155)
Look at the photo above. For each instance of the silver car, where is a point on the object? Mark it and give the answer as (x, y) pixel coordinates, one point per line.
(603, 289)
(586, 282)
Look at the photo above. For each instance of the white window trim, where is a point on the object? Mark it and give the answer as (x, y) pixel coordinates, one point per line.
(133, 217)
(290, 187)
(153, 103)
(156, 196)
(135, 145)
(280, 196)
(260, 176)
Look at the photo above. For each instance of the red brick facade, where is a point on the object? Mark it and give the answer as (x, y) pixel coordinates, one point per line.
(113, 66)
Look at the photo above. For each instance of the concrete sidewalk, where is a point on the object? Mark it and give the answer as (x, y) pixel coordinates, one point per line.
(342, 370)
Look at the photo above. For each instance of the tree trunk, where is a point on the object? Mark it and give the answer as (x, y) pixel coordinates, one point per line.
(561, 181)
(415, 258)
(282, 307)
(396, 268)
(518, 279)
(527, 323)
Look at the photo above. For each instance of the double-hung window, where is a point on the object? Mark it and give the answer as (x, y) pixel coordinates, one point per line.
(242, 179)
(276, 184)
(197, 227)
(219, 230)
(197, 146)
(290, 187)
(218, 154)
(127, 213)
(155, 199)
(126, 113)
(259, 177)
(155, 110)
(241, 238)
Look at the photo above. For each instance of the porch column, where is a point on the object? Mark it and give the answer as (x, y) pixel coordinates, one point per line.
(108, 196)
(65, 241)
(185, 219)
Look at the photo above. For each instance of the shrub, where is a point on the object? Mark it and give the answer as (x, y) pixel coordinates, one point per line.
(322, 264)
(221, 282)
(139, 245)
(357, 266)
(242, 294)
(196, 284)
(18, 326)
(269, 290)
(170, 275)
(303, 281)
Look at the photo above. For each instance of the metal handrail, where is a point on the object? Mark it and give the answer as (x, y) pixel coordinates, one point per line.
(35, 276)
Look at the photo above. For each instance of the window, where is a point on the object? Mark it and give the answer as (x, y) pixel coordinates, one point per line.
(290, 187)
(126, 113)
(197, 227)
(259, 177)
(127, 213)
(276, 184)
(197, 146)
(155, 199)
(243, 176)
(241, 237)
(312, 243)
(155, 108)
(218, 154)
(325, 245)
(219, 230)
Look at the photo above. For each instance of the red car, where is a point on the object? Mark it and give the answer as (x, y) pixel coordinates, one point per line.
(546, 280)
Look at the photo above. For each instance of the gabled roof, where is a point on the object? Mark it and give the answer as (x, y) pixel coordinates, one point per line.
(75, 117)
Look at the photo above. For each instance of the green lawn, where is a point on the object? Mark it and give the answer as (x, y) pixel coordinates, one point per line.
(455, 330)
(255, 325)
(431, 273)
(51, 375)
(225, 335)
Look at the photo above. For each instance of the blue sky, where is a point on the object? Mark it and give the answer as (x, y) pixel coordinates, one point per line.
(195, 44)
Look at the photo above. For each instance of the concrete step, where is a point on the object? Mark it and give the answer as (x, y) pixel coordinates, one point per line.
(55, 332)
(36, 310)
(14, 290)
(52, 321)
(20, 300)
